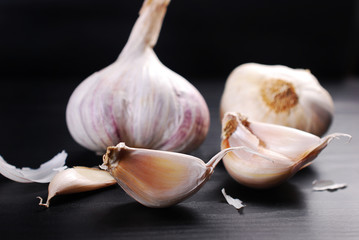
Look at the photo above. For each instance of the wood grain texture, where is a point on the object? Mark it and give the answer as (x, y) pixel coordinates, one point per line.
(33, 129)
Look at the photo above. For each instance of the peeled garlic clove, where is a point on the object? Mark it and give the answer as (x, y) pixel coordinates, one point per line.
(137, 99)
(158, 178)
(279, 95)
(287, 150)
(77, 179)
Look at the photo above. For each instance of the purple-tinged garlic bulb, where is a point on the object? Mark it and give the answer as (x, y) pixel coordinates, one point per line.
(137, 99)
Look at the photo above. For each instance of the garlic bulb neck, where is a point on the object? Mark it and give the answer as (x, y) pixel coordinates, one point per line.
(147, 28)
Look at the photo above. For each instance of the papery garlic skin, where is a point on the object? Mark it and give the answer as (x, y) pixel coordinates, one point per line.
(287, 150)
(43, 174)
(235, 202)
(157, 178)
(137, 99)
(280, 95)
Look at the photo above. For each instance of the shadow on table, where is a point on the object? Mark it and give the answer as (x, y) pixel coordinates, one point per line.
(306, 176)
(289, 194)
(134, 214)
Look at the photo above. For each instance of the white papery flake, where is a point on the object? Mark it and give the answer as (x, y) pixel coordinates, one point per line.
(329, 185)
(43, 174)
(232, 201)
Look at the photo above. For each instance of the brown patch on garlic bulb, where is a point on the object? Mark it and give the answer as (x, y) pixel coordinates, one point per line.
(279, 95)
(158, 178)
(137, 99)
(285, 150)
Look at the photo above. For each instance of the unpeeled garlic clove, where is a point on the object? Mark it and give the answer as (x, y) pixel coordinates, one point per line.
(75, 180)
(158, 178)
(280, 95)
(287, 150)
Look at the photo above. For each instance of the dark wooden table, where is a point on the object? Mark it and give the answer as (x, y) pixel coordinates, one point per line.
(33, 129)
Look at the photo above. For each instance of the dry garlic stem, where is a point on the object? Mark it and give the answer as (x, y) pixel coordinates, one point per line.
(279, 95)
(77, 179)
(158, 178)
(137, 99)
(289, 150)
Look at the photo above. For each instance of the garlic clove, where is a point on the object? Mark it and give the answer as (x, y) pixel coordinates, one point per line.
(158, 178)
(287, 150)
(137, 99)
(75, 180)
(279, 95)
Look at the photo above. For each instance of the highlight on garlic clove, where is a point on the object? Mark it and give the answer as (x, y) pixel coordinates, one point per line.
(280, 95)
(287, 150)
(76, 180)
(137, 99)
(157, 178)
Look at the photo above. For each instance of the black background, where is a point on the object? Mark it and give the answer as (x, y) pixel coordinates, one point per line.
(48, 47)
(199, 39)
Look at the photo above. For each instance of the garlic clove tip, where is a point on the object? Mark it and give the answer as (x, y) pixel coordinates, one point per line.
(47, 204)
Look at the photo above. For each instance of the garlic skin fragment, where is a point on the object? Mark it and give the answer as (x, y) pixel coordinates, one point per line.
(137, 99)
(287, 150)
(43, 174)
(327, 185)
(235, 202)
(76, 180)
(280, 95)
(157, 178)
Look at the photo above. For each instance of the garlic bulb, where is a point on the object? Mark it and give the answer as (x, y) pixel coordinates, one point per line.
(286, 150)
(278, 95)
(76, 180)
(137, 99)
(158, 178)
